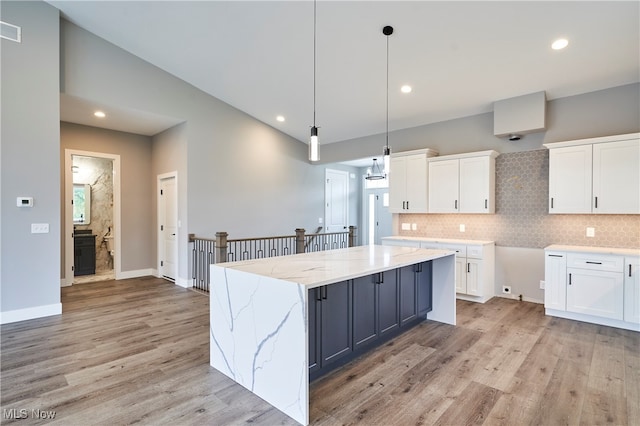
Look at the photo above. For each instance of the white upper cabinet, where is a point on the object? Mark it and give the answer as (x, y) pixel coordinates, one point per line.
(600, 175)
(616, 177)
(408, 181)
(463, 183)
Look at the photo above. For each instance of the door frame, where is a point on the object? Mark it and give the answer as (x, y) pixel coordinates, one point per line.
(326, 200)
(160, 243)
(68, 212)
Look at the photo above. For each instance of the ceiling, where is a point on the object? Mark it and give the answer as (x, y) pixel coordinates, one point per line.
(459, 57)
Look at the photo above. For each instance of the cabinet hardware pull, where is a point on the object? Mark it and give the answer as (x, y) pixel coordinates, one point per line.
(594, 263)
(596, 202)
(407, 205)
(629, 269)
(569, 279)
(468, 267)
(324, 291)
(555, 255)
(318, 293)
(485, 203)
(455, 204)
(551, 202)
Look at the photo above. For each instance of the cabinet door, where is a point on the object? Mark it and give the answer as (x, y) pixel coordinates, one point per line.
(555, 277)
(461, 275)
(474, 277)
(632, 290)
(477, 185)
(416, 178)
(570, 179)
(595, 293)
(397, 185)
(616, 177)
(336, 317)
(364, 311)
(388, 315)
(443, 186)
(313, 322)
(425, 288)
(409, 293)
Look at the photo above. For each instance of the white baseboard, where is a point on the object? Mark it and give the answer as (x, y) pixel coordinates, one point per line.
(524, 298)
(30, 313)
(135, 274)
(65, 282)
(183, 282)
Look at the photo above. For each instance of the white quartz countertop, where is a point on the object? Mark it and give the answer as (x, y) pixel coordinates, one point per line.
(332, 266)
(439, 240)
(596, 250)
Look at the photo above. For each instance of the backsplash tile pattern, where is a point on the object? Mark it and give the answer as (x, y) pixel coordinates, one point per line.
(522, 219)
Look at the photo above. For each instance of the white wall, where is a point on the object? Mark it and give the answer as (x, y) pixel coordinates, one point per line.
(30, 135)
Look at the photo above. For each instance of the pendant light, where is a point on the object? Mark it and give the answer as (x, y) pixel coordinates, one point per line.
(314, 154)
(375, 172)
(387, 31)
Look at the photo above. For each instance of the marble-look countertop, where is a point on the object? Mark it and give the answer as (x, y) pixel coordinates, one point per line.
(331, 266)
(595, 250)
(439, 240)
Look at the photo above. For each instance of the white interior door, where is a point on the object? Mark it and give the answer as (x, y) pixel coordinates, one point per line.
(336, 195)
(378, 223)
(168, 227)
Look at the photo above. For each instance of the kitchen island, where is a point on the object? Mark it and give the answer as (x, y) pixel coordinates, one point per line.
(263, 313)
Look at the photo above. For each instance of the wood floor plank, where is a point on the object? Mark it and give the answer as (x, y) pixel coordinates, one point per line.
(137, 351)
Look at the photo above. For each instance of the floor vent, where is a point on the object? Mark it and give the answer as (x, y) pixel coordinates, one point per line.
(10, 32)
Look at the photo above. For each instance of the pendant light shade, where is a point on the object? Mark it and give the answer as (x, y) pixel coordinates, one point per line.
(314, 151)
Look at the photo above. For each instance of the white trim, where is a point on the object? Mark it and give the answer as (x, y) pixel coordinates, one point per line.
(68, 211)
(137, 273)
(65, 282)
(590, 141)
(183, 283)
(524, 298)
(30, 313)
(593, 319)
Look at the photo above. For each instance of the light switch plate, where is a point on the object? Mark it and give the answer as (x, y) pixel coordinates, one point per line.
(414, 226)
(591, 232)
(39, 228)
(406, 226)
(462, 227)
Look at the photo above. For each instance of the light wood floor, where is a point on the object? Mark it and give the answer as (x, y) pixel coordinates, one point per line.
(137, 351)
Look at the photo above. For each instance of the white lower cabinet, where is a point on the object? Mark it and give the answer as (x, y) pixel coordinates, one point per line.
(585, 285)
(632, 289)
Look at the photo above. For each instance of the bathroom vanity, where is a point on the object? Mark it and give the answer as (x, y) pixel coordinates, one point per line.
(84, 252)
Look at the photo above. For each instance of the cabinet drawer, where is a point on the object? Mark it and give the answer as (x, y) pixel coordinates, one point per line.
(596, 262)
(460, 249)
(474, 252)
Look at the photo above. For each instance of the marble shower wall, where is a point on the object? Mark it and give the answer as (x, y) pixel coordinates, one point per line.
(522, 218)
(98, 172)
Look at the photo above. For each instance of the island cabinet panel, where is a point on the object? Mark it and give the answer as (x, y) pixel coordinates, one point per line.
(336, 304)
(423, 276)
(389, 319)
(313, 314)
(365, 314)
(408, 294)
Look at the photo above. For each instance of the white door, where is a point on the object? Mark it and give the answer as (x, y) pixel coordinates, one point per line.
(336, 195)
(168, 215)
(598, 293)
(555, 277)
(398, 184)
(378, 219)
(632, 290)
(416, 175)
(474, 185)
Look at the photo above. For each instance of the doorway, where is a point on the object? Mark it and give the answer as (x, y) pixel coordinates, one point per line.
(91, 217)
(168, 225)
(336, 197)
(377, 218)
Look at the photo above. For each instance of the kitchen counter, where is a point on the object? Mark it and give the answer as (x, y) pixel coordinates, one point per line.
(438, 240)
(259, 313)
(596, 250)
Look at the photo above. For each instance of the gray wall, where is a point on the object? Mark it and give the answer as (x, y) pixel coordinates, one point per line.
(30, 263)
(137, 208)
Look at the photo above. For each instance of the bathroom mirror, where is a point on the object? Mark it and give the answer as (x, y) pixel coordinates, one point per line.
(81, 203)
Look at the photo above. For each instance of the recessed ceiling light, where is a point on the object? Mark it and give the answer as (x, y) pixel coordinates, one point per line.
(100, 114)
(406, 89)
(280, 118)
(560, 43)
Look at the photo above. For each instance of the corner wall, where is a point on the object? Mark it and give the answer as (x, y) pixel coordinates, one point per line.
(30, 135)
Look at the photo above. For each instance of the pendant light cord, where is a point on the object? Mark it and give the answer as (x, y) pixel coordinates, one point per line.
(387, 140)
(314, 63)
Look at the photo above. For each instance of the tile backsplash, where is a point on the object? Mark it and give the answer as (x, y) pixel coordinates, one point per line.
(522, 218)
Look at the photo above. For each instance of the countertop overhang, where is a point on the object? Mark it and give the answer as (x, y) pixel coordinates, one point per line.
(595, 250)
(331, 266)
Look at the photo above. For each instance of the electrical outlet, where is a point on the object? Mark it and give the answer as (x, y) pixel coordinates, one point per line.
(541, 284)
(320, 220)
(591, 232)
(414, 227)
(506, 289)
(406, 226)
(462, 227)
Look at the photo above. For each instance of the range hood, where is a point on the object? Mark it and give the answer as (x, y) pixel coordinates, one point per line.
(515, 117)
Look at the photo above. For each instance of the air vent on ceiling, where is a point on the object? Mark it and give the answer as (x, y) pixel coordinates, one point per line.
(518, 116)
(10, 32)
